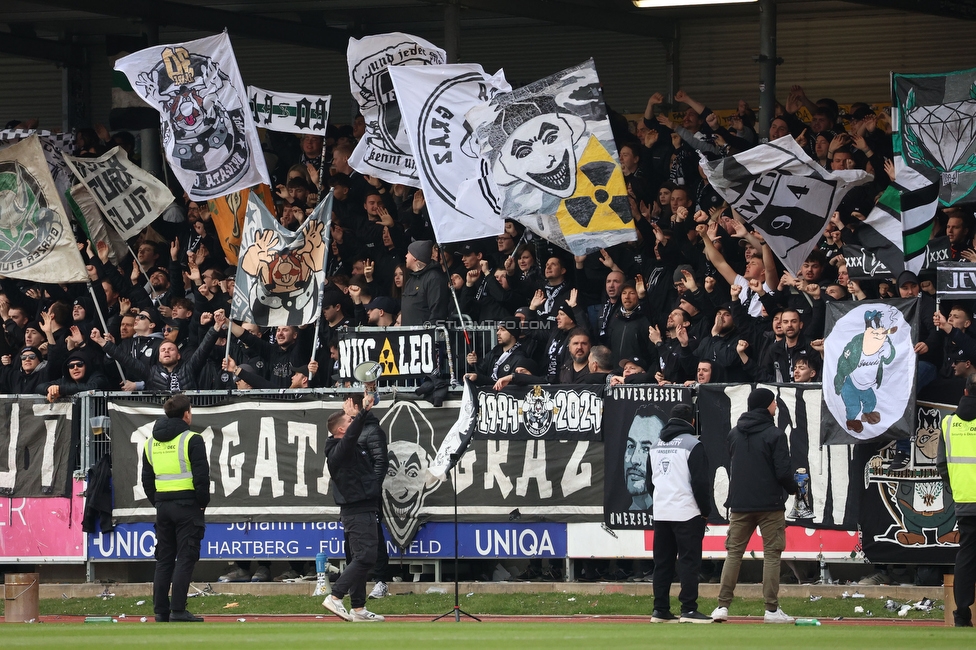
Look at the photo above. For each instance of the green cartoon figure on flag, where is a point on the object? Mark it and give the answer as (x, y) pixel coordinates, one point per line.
(860, 369)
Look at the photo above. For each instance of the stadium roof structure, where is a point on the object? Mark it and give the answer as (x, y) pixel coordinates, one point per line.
(49, 29)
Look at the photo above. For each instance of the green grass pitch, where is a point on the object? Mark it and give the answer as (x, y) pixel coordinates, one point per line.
(448, 634)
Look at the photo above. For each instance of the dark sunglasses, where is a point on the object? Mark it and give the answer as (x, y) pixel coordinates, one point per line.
(142, 317)
(76, 364)
(30, 356)
(170, 329)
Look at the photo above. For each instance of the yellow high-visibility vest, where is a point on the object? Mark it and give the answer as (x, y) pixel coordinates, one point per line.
(171, 463)
(960, 445)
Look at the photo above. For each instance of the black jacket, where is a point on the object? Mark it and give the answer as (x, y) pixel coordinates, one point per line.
(426, 297)
(167, 429)
(157, 377)
(373, 440)
(759, 468)
(701, 478)
(355, 487)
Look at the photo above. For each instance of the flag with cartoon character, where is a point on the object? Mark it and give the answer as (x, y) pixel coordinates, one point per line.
(280, 273)
(552, 157)
(208, 135)
(869, 370)
(384, 150)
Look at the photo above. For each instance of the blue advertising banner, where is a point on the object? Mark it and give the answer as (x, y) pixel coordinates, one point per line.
(300, 541)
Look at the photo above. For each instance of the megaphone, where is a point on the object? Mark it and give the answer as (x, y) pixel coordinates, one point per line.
(368, 371)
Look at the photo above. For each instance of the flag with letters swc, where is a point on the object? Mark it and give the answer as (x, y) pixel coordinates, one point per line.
(779, 191)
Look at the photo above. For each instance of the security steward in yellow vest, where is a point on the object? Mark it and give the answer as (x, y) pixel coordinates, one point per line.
(176, 478)
(957, 464)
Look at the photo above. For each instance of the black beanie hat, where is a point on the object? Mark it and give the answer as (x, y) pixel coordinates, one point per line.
(760, 399)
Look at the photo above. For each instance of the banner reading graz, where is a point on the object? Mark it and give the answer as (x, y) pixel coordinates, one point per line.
(549, 412)
(906, 515)
(403, 353)
(267, 463)
(832, 472)
(35, 446)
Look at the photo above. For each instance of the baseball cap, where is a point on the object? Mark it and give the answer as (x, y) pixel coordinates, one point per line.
(637, 361)
(387, 304)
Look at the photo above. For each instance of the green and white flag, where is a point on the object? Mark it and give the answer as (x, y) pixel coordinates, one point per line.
(36, 241)
(289, 112)
(934, 117)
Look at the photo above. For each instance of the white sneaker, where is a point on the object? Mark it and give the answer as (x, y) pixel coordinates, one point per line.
(720, 614)
(779, 616)
(335, 606)
(363, 615)
(380, 590)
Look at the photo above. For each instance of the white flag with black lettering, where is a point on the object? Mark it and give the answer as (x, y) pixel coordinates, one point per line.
(129, 197)
(289, 112)
(209, 139)
(433, 101)
(783, 194)
(384, 150)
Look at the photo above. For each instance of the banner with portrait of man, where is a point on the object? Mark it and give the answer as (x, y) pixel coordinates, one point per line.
(551, 154)
(209, 138)
(280, 273)
(869, 370)
(633, 417)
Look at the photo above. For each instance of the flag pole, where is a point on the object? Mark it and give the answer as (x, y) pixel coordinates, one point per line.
(457, 305)
(101, 319)
(327, 243)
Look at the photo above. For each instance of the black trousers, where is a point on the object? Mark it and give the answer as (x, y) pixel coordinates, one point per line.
(360, 532)
(964, 585)
(381, 570)
(179, 530)
(677, 545)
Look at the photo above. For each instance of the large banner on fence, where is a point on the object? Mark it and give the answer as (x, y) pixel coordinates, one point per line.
(129, 197)
(906, 515)
(550, 412)
(267, 463)
(832, 472)
(634, 418)
(35, 446)
(403, 353)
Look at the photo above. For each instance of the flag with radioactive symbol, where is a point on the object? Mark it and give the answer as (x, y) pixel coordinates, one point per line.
(600, 203)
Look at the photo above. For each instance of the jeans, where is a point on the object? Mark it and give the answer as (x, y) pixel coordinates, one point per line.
(772, 527)
(856, 400)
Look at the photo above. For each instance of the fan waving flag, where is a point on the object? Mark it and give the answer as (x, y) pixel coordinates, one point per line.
(782, 193)
(36, 241)
(208, 136)
(384, 150)
(433, 100)
(552, 156)
(934, 120)
(280, 273)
